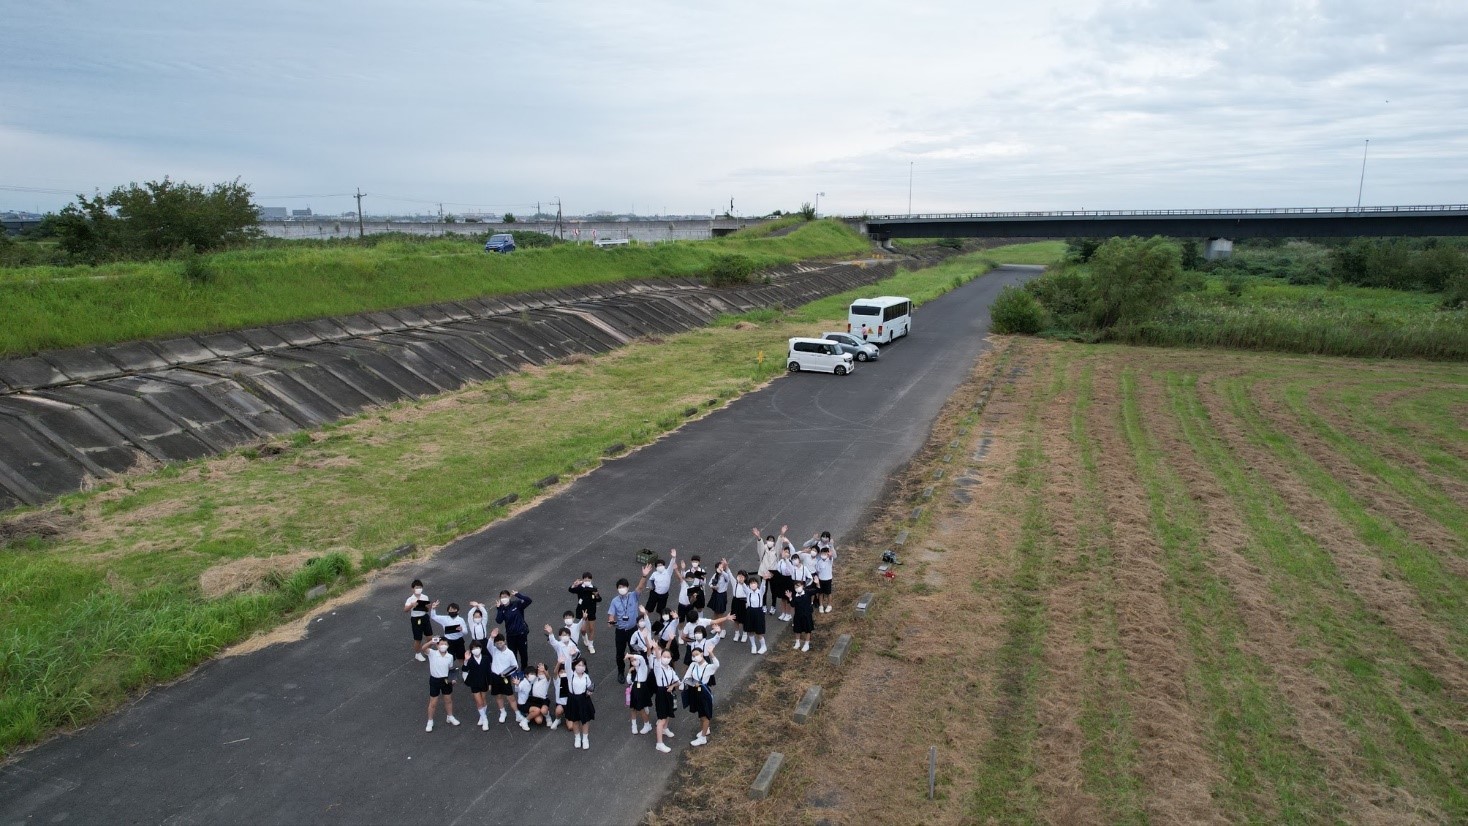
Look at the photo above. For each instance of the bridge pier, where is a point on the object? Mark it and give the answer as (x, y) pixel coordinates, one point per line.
(1218, 249)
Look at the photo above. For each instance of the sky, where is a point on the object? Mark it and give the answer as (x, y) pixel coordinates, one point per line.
(680, 107)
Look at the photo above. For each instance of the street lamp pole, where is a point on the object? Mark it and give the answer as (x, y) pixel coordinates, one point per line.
(818, 203)
(909, 189)
(1362, 186)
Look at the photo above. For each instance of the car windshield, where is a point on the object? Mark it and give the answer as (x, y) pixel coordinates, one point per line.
(499, 238)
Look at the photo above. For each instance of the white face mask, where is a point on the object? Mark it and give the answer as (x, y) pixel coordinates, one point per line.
(661, 568)
(698, 660)
(418, 589)
(504, 600)
(642, 624)
(667, 660)
(569, 622)
(622, 590)
(586, 583)
(477, 652)
(769, 544)
(443, 649)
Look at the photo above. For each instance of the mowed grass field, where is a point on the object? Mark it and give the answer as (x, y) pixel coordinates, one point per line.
(110, 591)
(1152, 585)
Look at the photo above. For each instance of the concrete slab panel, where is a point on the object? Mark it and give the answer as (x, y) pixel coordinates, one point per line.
(409, 317)
(327, 329)
(339, 396)
(351, 372)
(296, 334)
(106, 450)
(434, 316)
(135, 419)
(482, 352)
(184, 350)
(388, 322)
(453, 355)
(193, 412)
(233, 399)
(360, 325)
(389, 368)
(81, 364)
(492, 336)
(31, 372)
(135, 356)
(225, 345)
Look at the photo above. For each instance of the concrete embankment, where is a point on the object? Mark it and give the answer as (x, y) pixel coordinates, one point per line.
(71, 417)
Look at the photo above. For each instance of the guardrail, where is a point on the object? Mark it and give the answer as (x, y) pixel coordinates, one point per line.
(1129, 213)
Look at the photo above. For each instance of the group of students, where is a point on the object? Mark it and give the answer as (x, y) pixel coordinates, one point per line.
(651, 636)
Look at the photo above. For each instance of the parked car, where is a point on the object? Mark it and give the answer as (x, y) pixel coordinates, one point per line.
(861, 350)
(818, 354)
(500, 242)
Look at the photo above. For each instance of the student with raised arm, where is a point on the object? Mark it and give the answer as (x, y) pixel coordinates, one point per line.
(504, 665)
(825, 574)
(719, 587)
(622, 614)
(659, 583)
(417, 608)
(697, 696)
(768, 559)
(478, 675)
(804, 611)
(511, 614)
(754, 615)
(439, 683)
(478, 624)
(587, 598)
(738, 604)
(666, 682)
(538, 709)
(452, 625)
(566, 651)
(639, 693)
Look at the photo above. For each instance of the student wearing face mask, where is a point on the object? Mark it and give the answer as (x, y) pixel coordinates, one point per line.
(477, 623)
(566, 651)
(439, 684)
(719, 586)
(511, 614)
(768, 559)
(639, 693)
(580, 711)
(417, 607)
(587, 598)
(665, 631)
(537, 708)
(738, 603)
(783, 581)
(504, 665)
(622, 614)
(754, 616)
(478, 675)
(666, 682)
(825, 575)
(691, 596)
(570, 623)
(453, 627)
(697, 696)
(659, 583)
(804, 615)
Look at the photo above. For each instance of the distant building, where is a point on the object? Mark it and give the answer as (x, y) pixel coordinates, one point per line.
(273, 213)
(301, 213)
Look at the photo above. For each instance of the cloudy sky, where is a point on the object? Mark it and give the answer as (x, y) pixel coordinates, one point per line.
(677, 107)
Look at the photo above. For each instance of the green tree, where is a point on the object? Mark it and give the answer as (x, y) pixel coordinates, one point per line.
(807, 211)
(1133, 277)
(509, 217)
(156, 220)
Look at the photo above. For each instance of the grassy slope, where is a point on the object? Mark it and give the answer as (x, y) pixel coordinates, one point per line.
(116, 604)
(51, 307)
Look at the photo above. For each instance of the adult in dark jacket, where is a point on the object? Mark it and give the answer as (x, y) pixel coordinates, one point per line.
(511, 614)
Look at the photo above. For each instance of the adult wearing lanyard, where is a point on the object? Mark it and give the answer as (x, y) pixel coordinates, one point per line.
(511, 613)
(622, 614)
(417, 608)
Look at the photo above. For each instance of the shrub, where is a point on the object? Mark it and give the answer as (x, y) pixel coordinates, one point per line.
(1455, 296)
(1080, 250)
(807, 211)
(1016, 311)
(1066, 294)
(951, 243)
(195, 268)
(731, 269)
(1132, 277)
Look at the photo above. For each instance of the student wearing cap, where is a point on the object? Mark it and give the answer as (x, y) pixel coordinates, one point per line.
(439, 684)
(417, 607)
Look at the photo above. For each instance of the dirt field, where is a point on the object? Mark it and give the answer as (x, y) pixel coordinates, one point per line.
(1149, 585)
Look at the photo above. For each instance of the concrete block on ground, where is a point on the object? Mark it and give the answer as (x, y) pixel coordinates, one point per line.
(928, 492)
(884, 567)
(938, 474)
(547, 481)
(948, 457)
(901, 538)
(865, 603)
(613, 449)
(807, 705)
(503, 501)
(760, 789)
(917, 513)
(399, 552)
(838, 651)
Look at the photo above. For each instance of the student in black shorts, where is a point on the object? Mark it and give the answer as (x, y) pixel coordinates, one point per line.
(417, 607)
(439, 684)
(587, 598)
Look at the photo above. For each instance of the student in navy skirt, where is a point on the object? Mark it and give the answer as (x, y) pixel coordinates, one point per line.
(738, 603)
(665, 684)
(639, 692)
(803, 605)
(697, 696)
(754, 618)
(580, 711)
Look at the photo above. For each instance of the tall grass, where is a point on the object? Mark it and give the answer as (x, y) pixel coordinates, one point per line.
(52, 307)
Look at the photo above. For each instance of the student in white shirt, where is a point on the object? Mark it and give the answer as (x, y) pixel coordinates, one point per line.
(697, 696)
(719, 588)
(666, 682)
(566, 651)
(754, 617)
(478, 676)
(639, 692)
(825, 573)
(452, 625)
(659, 583)
(580, 710)
(417, 607)
(478, 624)
(439, 684)
(504, 665)
(536, 705)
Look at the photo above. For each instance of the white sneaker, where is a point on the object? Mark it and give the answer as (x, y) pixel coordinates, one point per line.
(590, 647)
(524, 723)
(796, 646)
(762, 648)
(555, 723)
(634, 726)
(484, 723)
(453, 721)
(668, 732)
(663, 748)
(753, 647)
(420, 658)
(805, 647)
(646, 727)
(585, 741)
(503, 714)
(430, 726)
(577, 744)
(698, 741)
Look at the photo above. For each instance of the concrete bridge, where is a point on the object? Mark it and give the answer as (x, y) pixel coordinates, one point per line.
(1219, 226)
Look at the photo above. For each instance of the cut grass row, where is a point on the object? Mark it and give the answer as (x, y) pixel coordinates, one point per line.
(115, 605)
(54, 307)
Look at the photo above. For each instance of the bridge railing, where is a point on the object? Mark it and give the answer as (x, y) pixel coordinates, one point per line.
(1143, 213)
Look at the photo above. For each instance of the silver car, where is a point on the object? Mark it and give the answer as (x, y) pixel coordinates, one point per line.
(860, 350)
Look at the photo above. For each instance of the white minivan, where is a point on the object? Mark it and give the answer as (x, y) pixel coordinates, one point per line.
(818, 354)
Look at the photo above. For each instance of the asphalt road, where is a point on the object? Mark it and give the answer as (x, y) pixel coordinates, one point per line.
(330, 729)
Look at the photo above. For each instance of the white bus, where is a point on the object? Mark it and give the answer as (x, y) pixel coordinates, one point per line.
(880, 319)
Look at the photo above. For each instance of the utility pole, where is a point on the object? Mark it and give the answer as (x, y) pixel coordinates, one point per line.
(361, 233)
(440, 213)
(558, 217)
(1362, 186)
(909, 189)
